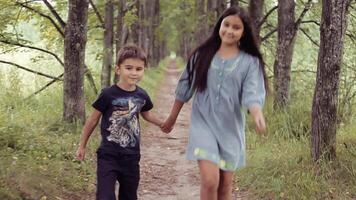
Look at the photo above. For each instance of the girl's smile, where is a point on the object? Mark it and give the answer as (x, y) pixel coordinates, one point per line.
(231, 30)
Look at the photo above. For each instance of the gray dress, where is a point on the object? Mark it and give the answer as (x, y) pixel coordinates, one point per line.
(217, 128)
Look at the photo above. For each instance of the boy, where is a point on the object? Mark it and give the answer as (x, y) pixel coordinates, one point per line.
(118, 107)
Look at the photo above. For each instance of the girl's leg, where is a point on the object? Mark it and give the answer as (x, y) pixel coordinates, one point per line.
(225, 185)
(209, 177)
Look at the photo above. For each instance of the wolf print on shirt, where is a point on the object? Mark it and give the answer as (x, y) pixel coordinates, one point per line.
(125, 128)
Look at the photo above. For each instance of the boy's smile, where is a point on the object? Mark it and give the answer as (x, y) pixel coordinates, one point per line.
(131, 71)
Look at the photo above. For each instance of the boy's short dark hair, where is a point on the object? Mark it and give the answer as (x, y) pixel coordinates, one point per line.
(131, 51)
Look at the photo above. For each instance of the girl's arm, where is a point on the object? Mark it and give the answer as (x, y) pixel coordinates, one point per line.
(257, 115)
(88, 128)
(171, 120)
(148, 116)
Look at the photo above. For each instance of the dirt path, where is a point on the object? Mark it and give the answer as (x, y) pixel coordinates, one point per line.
(165, 172)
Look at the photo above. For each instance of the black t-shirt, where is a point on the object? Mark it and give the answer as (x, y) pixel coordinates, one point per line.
(120, 128)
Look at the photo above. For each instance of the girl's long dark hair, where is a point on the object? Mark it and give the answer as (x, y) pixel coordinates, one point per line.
(204, 53)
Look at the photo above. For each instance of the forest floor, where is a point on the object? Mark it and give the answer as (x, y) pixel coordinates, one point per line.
(165, 172)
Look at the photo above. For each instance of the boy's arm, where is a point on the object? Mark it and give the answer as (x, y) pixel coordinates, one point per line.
(87, 130)
(148, 116)
(171, 120)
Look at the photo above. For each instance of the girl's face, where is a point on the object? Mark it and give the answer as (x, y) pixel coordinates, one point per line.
(231, 30)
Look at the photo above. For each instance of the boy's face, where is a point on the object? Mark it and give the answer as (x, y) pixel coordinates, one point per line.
(131, 71)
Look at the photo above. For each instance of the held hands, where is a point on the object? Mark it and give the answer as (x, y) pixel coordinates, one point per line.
(167, 126)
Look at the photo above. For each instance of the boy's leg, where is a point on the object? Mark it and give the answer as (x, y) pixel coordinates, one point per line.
(129, 177)
(106, 177)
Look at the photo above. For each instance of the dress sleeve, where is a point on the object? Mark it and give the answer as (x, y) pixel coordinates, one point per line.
(253, 86)
(184, 91)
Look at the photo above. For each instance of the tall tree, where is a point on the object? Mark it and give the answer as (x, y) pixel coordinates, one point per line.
(282, 68)
(256, 12)
(221, 6)
(154, 42)
(325, 101)
(74, 55)
(201, 28)
(287, 31)
(108, 44)
(235, 2)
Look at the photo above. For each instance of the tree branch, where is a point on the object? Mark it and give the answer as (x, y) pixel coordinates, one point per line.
(43, 15)
(44, 87)
(30, 70)
(266, 16)
(309, 37)
(310, 21)
(97, 13)
(268, 35)
(55, 14)
(35, 48)
(307, 7)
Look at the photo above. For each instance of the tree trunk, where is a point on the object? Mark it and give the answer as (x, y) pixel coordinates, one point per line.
(221, 6)
(108, 45)
(119, 25)
(324, 110)
(135, 27)
(201, 29)
(74, 56)
(212, 14)
(282, 64)
(256, 11)
(154, 45)
(235, 2)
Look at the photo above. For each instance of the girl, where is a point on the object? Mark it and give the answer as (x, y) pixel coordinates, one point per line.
(226, 73)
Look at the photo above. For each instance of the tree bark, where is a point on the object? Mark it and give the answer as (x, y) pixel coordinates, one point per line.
(256, 12)
(325, 101)
(221, 6)
(108, 45)
(235, 2)
(201, 28)
(154, 42)
(74, 56)
(282, 64)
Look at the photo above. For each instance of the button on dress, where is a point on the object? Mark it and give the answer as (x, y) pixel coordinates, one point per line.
(217, 125)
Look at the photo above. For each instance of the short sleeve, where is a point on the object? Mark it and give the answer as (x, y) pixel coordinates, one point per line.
(101, 103)
(253, 86)
(148, 104)
(184, 90)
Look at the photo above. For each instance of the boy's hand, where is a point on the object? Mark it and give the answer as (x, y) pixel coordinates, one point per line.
(80, 154)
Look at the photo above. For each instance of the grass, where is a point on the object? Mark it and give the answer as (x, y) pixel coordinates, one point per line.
(279, 166)
(37, 149)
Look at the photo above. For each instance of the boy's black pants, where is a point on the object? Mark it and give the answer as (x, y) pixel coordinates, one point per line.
(122, 168)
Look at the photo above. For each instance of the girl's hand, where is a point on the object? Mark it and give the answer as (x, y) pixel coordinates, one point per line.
(167, 126)
(260, 123)
(257, 115)
(80, 154)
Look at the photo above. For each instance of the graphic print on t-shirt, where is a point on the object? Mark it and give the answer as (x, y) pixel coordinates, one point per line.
(125, 129)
